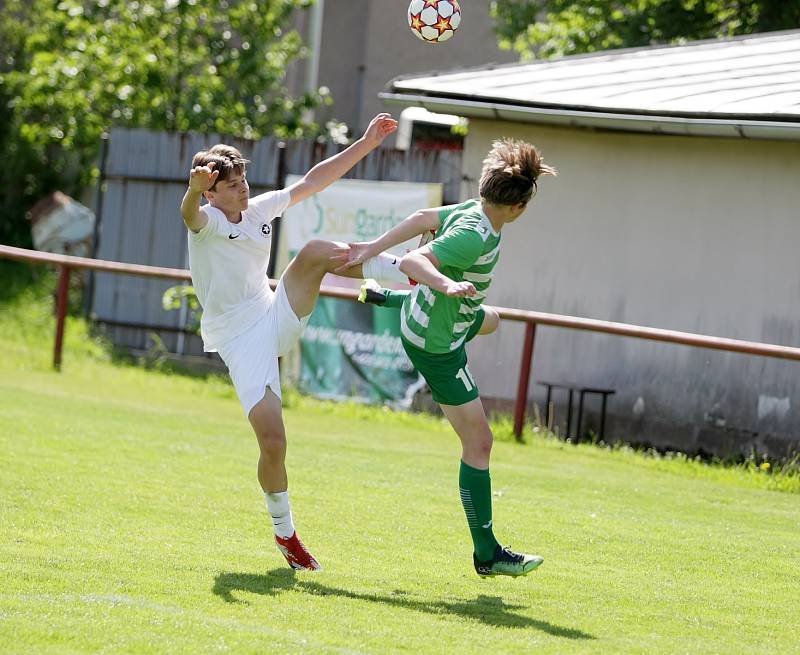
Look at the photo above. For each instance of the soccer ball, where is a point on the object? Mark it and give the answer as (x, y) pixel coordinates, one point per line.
(434, 21)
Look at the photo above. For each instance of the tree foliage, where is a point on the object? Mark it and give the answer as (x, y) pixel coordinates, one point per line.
(71, 69)
(552, 28)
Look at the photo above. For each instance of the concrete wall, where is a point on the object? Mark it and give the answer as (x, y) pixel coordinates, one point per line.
(343, 58)
(691, 234)
(365, 43)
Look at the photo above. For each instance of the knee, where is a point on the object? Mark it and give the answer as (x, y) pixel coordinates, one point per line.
(272, 443)
(491, 319)
(485, 444)
(316, 252)
(480, 445)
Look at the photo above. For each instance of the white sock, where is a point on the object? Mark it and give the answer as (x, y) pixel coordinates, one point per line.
(281, 513)
(384, 268)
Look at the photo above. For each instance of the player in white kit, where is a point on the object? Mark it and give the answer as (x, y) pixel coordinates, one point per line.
(243, 319)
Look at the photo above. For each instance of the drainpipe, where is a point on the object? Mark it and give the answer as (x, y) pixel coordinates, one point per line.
(315, 43)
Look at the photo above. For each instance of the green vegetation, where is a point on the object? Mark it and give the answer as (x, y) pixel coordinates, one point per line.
(71, 70)
(552, 28)
(132, 523)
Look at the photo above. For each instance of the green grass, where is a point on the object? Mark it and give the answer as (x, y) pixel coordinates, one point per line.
(131, 522)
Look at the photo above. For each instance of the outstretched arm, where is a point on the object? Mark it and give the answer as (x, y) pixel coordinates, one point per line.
(419, 222)
(423, 266)
(330, 170)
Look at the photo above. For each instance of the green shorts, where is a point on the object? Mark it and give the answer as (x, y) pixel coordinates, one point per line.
(447, 374)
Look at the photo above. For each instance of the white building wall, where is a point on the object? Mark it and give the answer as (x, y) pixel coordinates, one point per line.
(692, 234)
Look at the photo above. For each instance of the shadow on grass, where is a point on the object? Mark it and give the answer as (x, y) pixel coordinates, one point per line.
(490, 610)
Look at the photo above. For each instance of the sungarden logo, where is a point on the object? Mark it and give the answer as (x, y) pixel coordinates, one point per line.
(370, 226)
(361, 224)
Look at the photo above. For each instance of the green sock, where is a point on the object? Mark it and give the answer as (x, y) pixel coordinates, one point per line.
(394, 298)
(476, 497)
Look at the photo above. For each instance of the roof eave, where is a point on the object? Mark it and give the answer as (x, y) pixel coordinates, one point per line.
(627, 122)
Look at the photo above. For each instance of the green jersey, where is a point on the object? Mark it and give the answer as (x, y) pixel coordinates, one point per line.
(467, 247)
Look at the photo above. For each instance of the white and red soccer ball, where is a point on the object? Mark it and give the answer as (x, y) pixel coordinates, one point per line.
(434, 21)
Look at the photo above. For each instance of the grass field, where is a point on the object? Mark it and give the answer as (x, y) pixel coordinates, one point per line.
(131, 522)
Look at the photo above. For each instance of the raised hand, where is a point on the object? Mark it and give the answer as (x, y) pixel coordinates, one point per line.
(358, 254)
(379, 128)
(337, 257)
(460, 289)
(202, 178)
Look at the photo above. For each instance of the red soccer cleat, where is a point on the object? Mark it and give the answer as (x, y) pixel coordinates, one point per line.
(297, 554)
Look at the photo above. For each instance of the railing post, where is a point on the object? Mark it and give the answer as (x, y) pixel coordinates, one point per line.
(524, 378)
(62, 296)
(280, 183)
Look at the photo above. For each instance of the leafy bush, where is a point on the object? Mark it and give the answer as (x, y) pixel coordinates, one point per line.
(71, 70)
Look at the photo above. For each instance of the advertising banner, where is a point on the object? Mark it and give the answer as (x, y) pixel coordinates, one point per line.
(350, 350)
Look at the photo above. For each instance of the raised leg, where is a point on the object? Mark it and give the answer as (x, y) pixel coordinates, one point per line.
(304, 274)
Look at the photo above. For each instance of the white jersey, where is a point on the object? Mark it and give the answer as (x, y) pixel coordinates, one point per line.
(228, 262)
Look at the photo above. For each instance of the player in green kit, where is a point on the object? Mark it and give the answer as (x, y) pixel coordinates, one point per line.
(453, 272)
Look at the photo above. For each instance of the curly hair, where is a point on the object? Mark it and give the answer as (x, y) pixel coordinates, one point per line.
(510, 172)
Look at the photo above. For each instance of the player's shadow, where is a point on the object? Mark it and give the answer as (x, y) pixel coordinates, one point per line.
(491, 610)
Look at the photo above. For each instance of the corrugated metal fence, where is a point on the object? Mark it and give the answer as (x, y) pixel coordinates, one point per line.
(143, 178)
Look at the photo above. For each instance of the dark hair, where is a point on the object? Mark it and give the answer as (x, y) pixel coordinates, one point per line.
(227, 159)
(510, 171)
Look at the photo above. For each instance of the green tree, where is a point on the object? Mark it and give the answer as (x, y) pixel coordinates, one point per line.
(71, 69)
(552, 28)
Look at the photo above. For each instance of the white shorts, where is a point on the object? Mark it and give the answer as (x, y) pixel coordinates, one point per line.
(252, 357)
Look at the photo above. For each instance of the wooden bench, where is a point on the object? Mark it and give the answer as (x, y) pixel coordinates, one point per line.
(582, 392)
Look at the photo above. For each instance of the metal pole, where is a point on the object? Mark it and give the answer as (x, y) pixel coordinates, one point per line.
(524, 378)
(280, 183)
(61, 312)
(312, 62)
(88, 301)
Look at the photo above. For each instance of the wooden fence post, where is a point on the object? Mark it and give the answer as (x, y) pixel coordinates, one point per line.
(524, 379)
(62, 298)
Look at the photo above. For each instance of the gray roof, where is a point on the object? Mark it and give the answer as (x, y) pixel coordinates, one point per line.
(745, 86)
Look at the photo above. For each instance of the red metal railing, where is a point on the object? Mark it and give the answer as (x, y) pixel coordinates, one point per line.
(530, 318)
